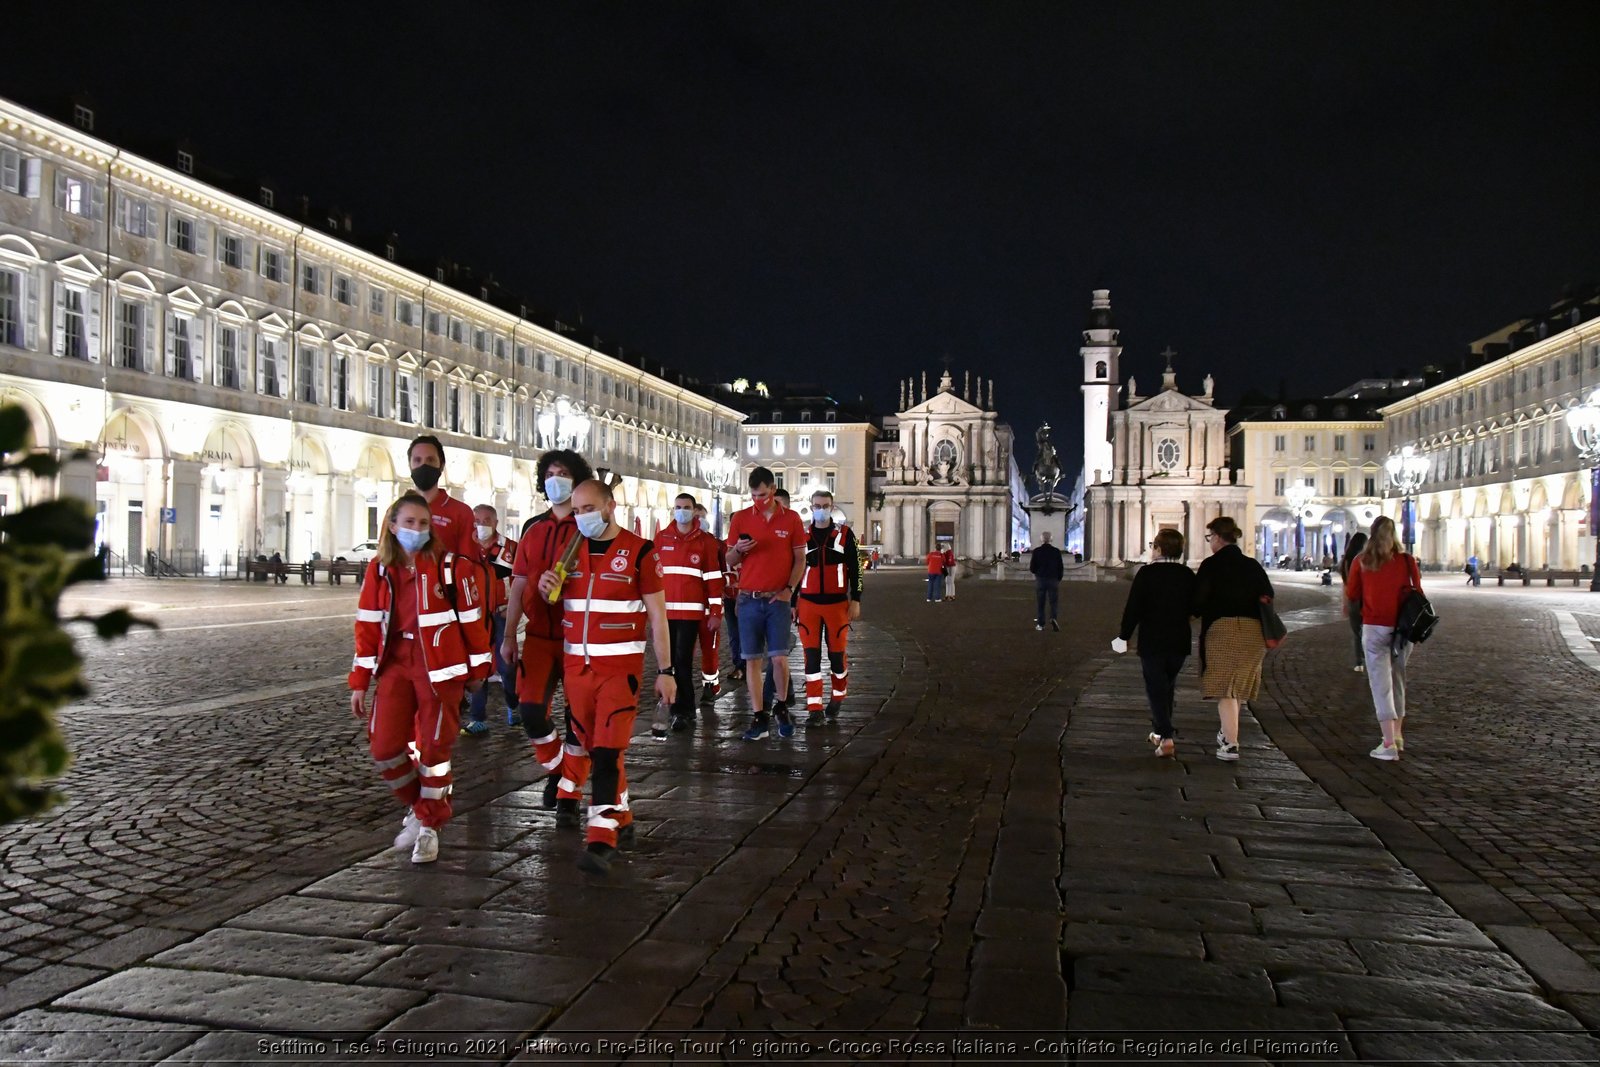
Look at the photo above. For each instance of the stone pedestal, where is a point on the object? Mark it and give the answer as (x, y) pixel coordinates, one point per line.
(1048, 512)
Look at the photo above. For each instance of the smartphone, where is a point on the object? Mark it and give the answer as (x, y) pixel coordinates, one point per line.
(745, 537)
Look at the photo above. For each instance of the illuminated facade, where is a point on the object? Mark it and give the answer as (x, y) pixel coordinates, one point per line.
(253, 380)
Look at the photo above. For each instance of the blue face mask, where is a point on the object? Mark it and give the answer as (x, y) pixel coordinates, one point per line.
(592, 523)
(557, 489)
(411, 540)
(683, 515)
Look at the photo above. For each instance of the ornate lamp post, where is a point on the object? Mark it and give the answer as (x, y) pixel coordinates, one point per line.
(1407, 468)
(718, 470)
(1299, 497)
(566, 425)
(1583, 421)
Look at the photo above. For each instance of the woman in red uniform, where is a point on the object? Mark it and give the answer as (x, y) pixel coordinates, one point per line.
(418, 629)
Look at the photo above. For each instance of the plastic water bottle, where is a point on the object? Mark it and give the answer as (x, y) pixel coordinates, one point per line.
(660, 720)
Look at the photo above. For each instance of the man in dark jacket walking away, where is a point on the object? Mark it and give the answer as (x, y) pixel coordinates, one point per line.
(1047, 571)
(1158, 607)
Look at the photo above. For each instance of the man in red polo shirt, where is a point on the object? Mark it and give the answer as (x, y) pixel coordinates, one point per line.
(767, 543)
(452, 519)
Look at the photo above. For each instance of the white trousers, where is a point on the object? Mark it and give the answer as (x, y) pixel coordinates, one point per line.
(1386, 670)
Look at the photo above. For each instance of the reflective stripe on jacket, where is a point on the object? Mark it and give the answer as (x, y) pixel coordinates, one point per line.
(691, 571)
(603, 618)
(453, 640)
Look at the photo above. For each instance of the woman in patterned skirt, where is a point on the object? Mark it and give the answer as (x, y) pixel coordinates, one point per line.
(1228, 592)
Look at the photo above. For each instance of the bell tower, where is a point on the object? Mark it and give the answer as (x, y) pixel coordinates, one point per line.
(1101, 354)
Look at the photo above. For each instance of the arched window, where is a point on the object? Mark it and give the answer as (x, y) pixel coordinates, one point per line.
(1100, 369)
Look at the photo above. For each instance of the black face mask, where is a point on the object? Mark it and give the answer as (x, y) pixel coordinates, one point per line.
(426, 476)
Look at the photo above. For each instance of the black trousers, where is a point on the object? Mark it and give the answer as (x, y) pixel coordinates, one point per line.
(1161, 686)
(1045, 590)
(684, 633)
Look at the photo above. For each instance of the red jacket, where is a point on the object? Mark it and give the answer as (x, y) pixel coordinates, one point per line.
(1380, 592)
(691, 572)
(496, 558)
(454, 644)
(452, 525)
(541, 546)
(604, 624)
(936, 562)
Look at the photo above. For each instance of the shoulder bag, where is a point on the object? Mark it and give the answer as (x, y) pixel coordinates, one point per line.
(1273, 631)
(1416, 618)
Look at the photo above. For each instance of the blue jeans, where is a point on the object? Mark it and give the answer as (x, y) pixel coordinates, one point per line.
(763, 627)
(935, 587)
(730, 608)
(478, 703)
(1045, 592)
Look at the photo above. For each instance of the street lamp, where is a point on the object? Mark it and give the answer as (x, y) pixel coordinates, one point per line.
(566, 425)
(1299, 498)
(1407, 468)
(718, 470)
(1583, 421)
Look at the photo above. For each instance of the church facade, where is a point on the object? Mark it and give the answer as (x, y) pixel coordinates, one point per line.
(1150, 463)
(943, 474)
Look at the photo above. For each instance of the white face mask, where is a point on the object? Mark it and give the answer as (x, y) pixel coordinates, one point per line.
(683, 515)
(820, 516)
(483, 532)
(558, 490)
(592, 523)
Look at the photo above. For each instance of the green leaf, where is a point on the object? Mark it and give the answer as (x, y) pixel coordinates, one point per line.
(39, 464)
(15, 428)
(67, 523)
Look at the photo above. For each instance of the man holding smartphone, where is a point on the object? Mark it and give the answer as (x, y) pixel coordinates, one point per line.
(767, 542)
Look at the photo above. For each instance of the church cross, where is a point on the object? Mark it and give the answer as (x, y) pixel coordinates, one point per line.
(1168, 354)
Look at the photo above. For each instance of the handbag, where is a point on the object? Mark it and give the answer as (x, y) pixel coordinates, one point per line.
(1273, 631)
(1416, 618)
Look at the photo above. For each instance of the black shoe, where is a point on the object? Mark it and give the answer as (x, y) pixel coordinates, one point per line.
(760, 723)
(680, 723)
(1056, 626)
(625, 836)
(736, 675)
(831, 711)
(567, 814)
(596, 859)
(780, 711)
(710, 693)
(551, 782)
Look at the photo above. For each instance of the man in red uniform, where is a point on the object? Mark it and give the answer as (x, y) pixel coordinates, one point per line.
(495, 555)
(767, 542)
(612, 602)
(830, 600)
(694, 595)
(538, 660)
(452, 519)
(711, 626)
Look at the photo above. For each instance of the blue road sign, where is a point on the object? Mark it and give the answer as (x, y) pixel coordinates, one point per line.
(169, 516)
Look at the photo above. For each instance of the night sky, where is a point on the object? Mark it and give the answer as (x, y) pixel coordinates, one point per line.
(845, 193)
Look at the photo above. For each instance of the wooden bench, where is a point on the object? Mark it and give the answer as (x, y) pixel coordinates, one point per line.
(266, 570)
(336, 570)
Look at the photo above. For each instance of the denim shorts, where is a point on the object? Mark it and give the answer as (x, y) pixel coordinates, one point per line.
(763, 624)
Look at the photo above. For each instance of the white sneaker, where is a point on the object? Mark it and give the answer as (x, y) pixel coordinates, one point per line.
(1228, 752)
(409, 830)
(1361, 669)
(426, 849)
(1385, 752)
(1038, 626)
(1222, 739)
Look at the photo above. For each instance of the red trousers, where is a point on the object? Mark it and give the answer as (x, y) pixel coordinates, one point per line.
(603, 708)
(410, 713)
(710, 648)
(816, 622)
(538, 672)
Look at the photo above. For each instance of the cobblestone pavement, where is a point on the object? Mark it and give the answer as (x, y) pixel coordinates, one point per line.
(983, 843)
(1501, 773)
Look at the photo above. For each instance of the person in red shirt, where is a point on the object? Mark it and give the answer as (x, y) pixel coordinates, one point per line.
(452, 519)
(1378, 582)
(935, 574)
(694, 595)
(711, 628)
(613, 603)
(417, 633)
(495, 556)
(767, 542)
(830, 601)
(538, 657)
(949, 572)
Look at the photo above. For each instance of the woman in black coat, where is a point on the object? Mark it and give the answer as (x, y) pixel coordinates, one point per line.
(1227, 597)
(1158, 607)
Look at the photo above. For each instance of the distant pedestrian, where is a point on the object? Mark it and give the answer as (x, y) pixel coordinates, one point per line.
(1474, 577)
(419, 634)
(1227, 598)
(1379, 580)
(769, 688)
(495, 555)
(935, 575)
(1352, 608)
(692, 577)
(829, 603)
(711, 627)
(1047, 568)
(950, 571)
(1158, 608)
(280, 569)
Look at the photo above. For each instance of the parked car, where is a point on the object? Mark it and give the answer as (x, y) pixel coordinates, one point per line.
(362, 553)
